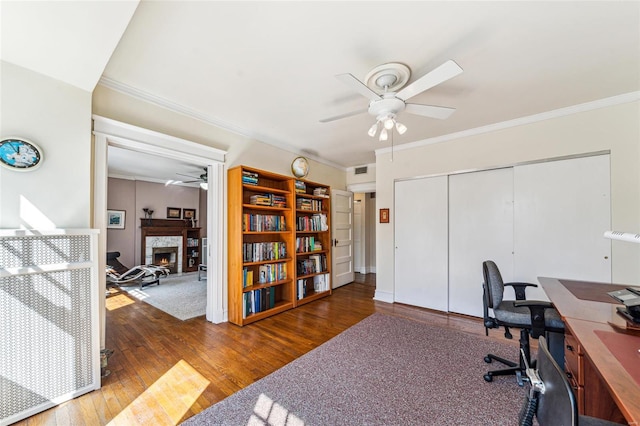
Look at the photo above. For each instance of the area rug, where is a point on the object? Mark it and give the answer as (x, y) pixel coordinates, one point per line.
(182, 296)
(385, 370)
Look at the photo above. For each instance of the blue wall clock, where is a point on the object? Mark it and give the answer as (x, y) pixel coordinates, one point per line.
(19, 154)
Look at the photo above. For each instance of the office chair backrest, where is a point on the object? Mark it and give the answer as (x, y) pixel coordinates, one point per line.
(493, 283)
(557, 406)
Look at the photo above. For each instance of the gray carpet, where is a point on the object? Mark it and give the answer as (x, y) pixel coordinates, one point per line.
(182, 296)
(384, 370)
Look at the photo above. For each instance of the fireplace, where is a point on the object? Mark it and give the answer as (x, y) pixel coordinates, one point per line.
(166, 256)
(165, 244)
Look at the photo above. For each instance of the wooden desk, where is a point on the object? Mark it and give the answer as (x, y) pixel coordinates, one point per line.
(601, 377)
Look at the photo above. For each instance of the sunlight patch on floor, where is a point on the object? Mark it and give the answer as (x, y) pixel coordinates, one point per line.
(117, 301)
(167, 400)
(269, 412)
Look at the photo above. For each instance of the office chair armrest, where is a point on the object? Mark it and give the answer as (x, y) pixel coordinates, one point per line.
(520, 289)
(533, 303)
(537, 308)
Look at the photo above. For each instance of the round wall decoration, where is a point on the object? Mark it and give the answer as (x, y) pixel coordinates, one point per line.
(300, 167)
(20, 154)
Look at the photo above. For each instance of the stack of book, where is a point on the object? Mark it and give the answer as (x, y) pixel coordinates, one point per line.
(321, 192)
(278, 201)
(303, 204)
(268, 200)
(301, 187)
(260, 200)
(249, 178)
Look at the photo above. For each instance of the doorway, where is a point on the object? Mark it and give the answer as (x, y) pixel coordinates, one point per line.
(108, 133)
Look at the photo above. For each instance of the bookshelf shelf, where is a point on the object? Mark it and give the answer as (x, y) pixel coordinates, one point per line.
(255, 230)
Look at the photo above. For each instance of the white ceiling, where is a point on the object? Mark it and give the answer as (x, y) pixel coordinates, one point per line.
(267, 69)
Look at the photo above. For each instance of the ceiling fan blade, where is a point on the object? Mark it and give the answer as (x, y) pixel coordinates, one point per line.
(348, 114)
(439, 75)
(358, 86)
(429, 110)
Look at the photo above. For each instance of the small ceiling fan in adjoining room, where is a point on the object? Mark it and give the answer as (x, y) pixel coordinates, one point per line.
(383, 87)
(202, 179)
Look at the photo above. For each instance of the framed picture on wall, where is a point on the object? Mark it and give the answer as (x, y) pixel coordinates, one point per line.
(384, 215)
(173, 212)
(188, 213)
(115, 219)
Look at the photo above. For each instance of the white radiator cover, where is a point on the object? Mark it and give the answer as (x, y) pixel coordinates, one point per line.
(49, 324)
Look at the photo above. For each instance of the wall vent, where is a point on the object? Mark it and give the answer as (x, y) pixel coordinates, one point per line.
(361, 170)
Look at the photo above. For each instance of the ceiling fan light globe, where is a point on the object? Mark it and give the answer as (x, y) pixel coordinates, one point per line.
(401, 128)
(388, 123)
(383, 135)
(373, 129)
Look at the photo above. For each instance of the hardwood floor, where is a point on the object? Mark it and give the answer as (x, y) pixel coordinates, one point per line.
(164, 370)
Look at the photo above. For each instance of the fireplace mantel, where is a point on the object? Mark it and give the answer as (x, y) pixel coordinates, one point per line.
(174, 228)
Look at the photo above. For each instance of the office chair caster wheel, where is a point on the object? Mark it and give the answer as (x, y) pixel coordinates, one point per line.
(487, 359)
(488, 378)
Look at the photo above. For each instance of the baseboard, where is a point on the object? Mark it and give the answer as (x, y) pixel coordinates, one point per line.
(383, 296)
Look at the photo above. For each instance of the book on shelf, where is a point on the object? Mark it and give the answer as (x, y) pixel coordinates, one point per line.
(258, 300)
(258, 252)
(308, 204)
(272, 200)
(300, 187)
(321, 283)
(247, 277)
(316, 222)
(311, 265)
(272, 272)
(320, 192)
(249, 178)
(263, 222)
(301, 290)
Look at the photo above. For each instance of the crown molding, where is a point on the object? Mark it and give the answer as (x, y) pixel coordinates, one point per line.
(561, 112)
(214, 121)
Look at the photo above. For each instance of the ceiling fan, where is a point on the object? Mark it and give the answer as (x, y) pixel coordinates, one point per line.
(202, 179)
(386, 102)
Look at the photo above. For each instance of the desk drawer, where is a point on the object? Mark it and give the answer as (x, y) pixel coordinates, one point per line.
(573, 360)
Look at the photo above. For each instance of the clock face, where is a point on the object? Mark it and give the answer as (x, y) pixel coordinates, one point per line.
(19, 154)
(300, 167)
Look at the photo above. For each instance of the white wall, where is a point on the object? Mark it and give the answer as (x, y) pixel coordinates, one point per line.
(615, 128)
(240, 150)
(57, 117)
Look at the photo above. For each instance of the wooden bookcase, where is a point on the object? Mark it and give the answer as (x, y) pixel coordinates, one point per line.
(313, 241)
(262, 257)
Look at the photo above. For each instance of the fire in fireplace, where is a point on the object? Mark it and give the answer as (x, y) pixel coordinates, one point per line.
(166, 256)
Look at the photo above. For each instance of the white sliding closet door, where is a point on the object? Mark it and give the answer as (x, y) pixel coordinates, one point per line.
(562, 209)
(421, 235)
(480, 228)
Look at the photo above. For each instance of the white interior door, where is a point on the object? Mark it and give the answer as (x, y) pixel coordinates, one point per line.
(562, 209)
(421, 242)
(480, 228)
(342, 234)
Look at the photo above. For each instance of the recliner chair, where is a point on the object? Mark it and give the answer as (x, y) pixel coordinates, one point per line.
(534, 318)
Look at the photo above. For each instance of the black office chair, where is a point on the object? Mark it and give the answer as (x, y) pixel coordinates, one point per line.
(551, 399)
(534, 318)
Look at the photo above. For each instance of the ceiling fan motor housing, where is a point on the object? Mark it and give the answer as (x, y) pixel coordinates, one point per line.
(388, 105)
